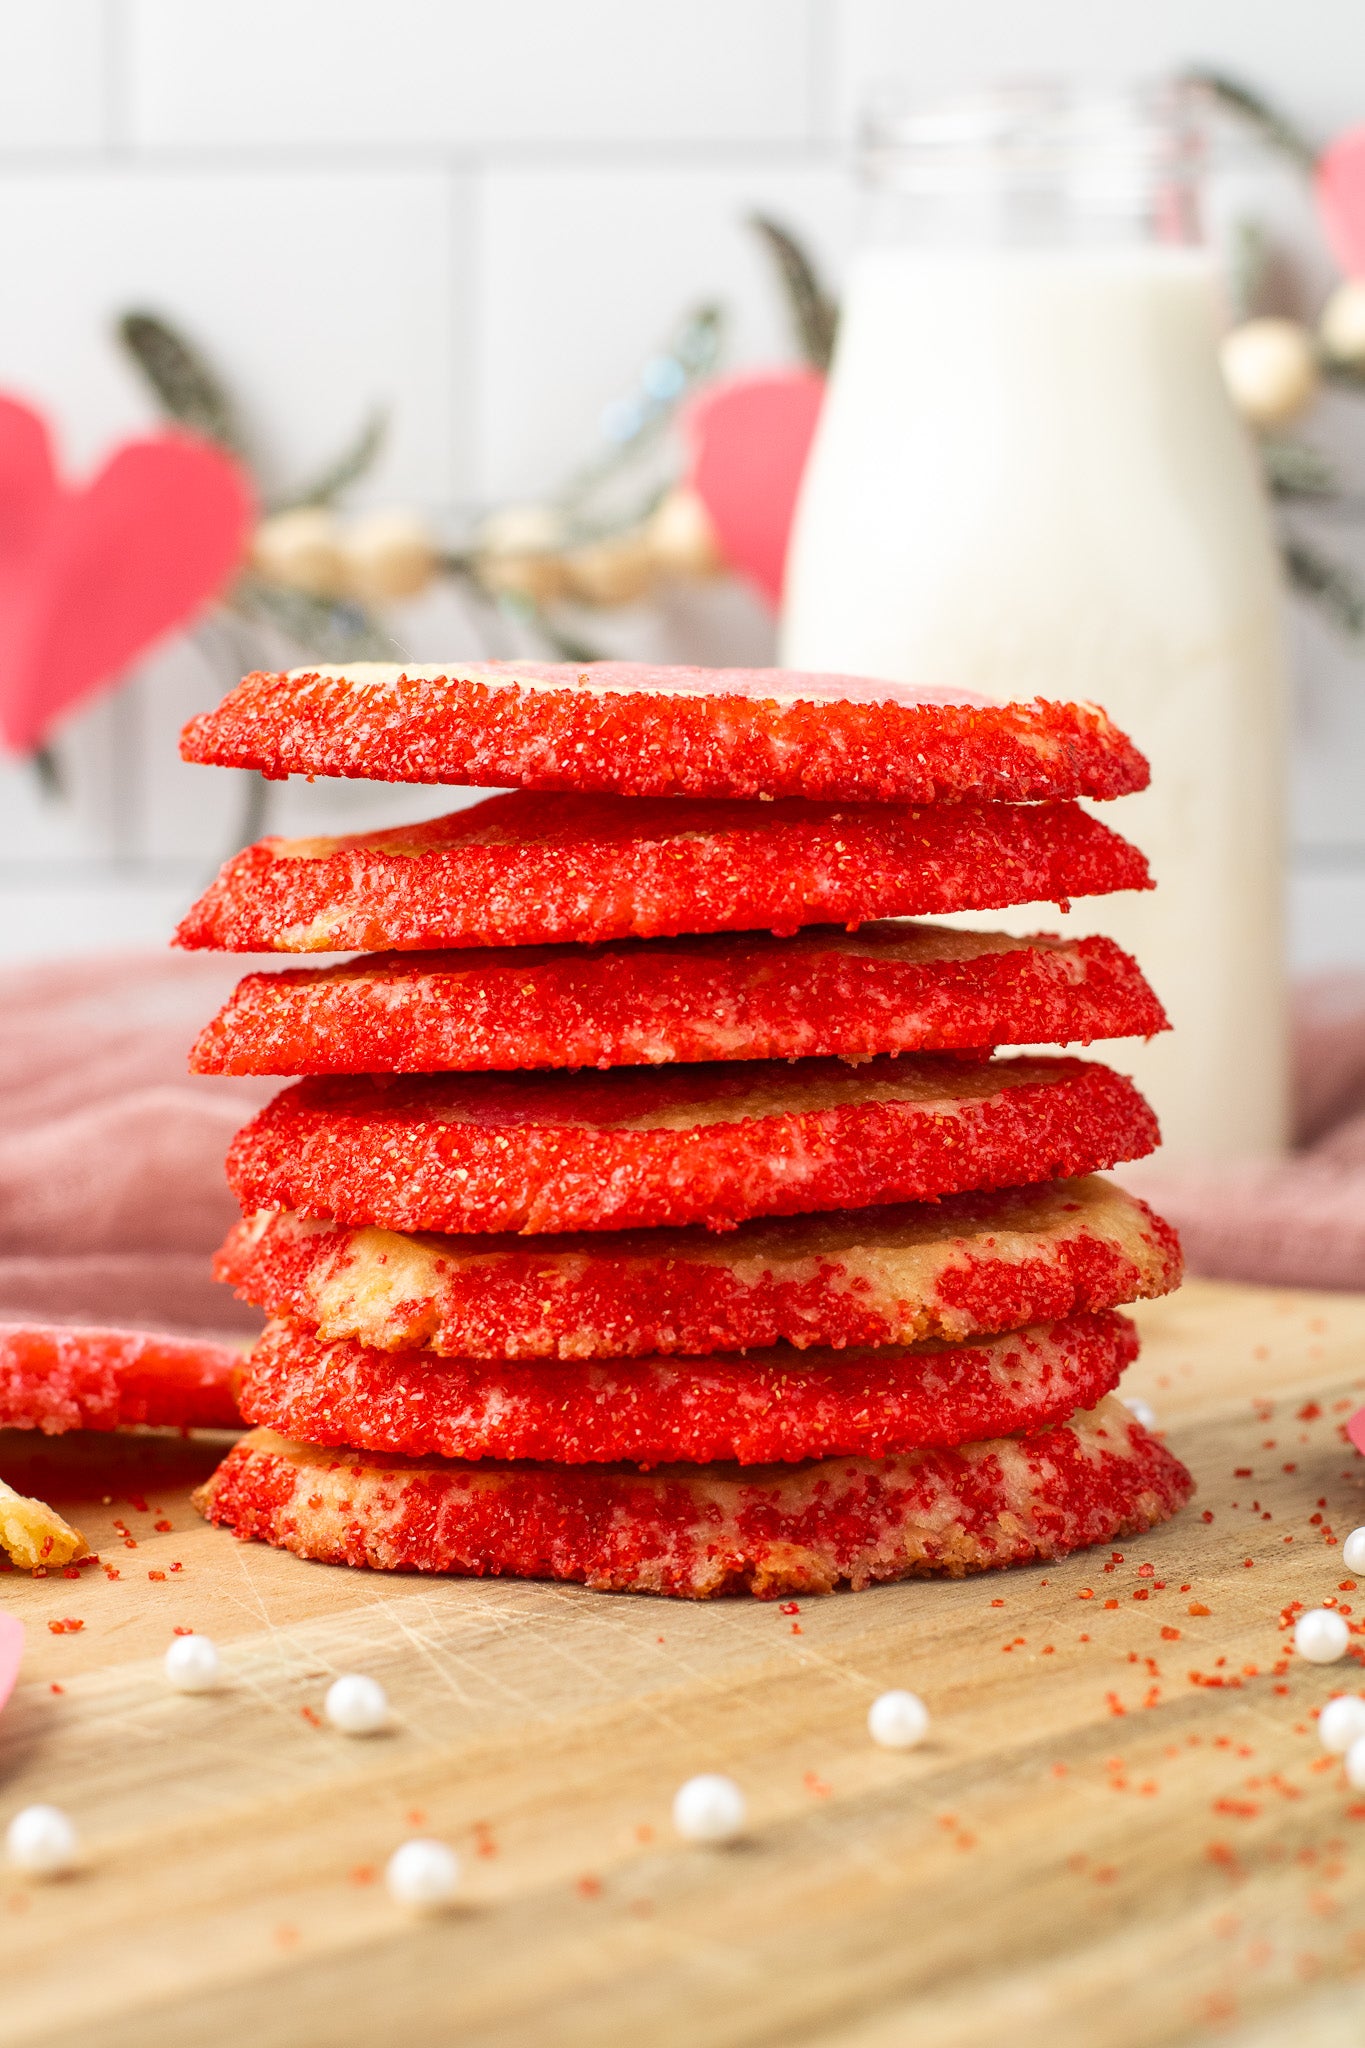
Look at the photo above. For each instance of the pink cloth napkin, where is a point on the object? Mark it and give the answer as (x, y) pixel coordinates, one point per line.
(112, 1195)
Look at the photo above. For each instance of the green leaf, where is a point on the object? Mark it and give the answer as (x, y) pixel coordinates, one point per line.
(1272, 126)
(815, 314)
(185, 386)
(1329, 584)
(605, 496)
(354, 461)
(47, 770)
(1249, 262)
(321, 628)
(1295, 470)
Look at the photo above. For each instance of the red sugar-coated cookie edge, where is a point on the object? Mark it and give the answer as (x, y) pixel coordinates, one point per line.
(358, 1152)
(545, 870)
(653, 1001)
(651, 1292)
(701, 1531)
(767, 1408)
(54, 1378)
(651, 743)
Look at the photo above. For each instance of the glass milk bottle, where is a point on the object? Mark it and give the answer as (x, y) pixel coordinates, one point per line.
(1028, 481)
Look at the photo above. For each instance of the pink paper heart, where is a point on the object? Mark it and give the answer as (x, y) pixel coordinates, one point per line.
(11, 1650)
(1355, 1429)
(1340, 181)
(91, 577)
(749, 438)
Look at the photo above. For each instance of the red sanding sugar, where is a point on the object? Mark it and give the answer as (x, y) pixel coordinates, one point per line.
(953, 1269)
(641, 731)
(886, 988)
(638, 1147)
(766, 1407)
(697, 1532)
(539, 870)
(55, 1379)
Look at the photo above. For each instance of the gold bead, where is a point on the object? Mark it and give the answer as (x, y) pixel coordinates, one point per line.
(610, 572)
(387, 555)
(302, 550)
(1271, 370)
(517, 554)
(680, 537)
(1341, 326)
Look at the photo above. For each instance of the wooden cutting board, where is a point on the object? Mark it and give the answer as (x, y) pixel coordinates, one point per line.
(1122, 1830)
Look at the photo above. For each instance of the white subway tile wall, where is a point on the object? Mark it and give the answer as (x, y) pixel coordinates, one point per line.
(1312, 63)
(54, 65)
(443, 75)
(322, 293)
(584, 273)
(483, 216)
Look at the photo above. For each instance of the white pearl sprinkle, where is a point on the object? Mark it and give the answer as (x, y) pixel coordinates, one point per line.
(898, 1720)
(1321, 1636)
(1353, 1551)
(1355, 1765)
(356, 1705)
(423, 1875)
(192, 1664)
(1140, 1410)
(709, 1809)
(1341, 1722)
(41, 1839)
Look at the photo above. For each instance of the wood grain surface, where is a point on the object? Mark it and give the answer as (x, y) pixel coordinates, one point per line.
(1121, 1831)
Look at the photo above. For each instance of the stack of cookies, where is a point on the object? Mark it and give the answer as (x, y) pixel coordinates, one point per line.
(654, 1210)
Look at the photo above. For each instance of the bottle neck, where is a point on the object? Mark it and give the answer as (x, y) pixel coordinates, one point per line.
(1036, 166)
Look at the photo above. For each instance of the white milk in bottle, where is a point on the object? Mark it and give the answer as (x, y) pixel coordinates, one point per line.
(1028, 481)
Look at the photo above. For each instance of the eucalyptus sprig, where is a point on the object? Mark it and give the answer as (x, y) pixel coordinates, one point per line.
(184, 382)
(190, 392)
(1252, 108)
(1327, 582)
(346, 468)
(635, 423)
(814, 311)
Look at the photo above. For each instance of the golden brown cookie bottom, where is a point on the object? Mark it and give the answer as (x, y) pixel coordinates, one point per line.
(699, 1531)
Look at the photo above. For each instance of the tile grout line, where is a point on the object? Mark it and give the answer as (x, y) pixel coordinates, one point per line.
(117, 76)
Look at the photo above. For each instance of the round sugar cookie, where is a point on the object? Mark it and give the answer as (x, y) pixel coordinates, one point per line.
(525, 870)
(642, 731)
(53, 1379)
(700, 1531)
(767, 1407)
(638, 1147)
(951, 1269)
(885, 988)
